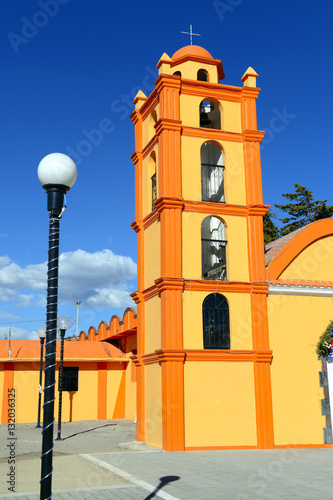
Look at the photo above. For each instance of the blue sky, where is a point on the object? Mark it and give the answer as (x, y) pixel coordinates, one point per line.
(71, 67)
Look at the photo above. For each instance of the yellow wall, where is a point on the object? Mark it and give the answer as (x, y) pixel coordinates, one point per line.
(314, 263)
(240, 320)
(130, 390)
(234, 170)
(153, 324)
(114, 377)
(80, 405)
(26, 384)
(148, 130)
(219, 404)
(295, 325)
(153, 391)
(148, 169)
(189, 70)
(190, 114)
(152, 249)
(237, 255)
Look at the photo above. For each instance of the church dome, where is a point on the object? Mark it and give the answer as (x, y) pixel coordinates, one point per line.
(193, 50)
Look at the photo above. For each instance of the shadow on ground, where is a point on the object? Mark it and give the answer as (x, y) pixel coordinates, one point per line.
(163, 482)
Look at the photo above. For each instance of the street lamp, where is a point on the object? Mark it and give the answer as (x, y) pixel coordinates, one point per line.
(41, 334)
(63, 324)
(57, 174)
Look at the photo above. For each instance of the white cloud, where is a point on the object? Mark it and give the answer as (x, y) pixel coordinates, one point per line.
(4, 260)
(97, 279)
(17, 333)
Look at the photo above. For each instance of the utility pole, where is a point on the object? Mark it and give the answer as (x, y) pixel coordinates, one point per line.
(77, 317)
(10, 343)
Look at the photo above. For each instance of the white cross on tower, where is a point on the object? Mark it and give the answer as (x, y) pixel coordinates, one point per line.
(190, 33)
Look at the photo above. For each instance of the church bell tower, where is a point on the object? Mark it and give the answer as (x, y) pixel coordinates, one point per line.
(203, 357)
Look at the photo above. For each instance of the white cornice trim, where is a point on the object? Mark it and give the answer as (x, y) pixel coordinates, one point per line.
(300, 290)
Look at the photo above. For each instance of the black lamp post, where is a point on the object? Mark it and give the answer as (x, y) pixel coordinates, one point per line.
(63, 324)
(41, 334)
(57, 174)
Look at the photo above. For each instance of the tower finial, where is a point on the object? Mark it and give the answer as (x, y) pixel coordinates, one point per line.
(190, 33)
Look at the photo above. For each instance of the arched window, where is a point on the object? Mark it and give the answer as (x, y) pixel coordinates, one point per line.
(215, 315)
(210, 115)
(213, 249)
(152, 173)
(212, 173)
(152, 119)
(177, 73)
(202, 75)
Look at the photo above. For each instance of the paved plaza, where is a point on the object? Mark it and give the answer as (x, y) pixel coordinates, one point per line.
(134, 471)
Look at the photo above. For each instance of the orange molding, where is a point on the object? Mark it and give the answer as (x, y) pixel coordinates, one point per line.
(211, 448)
(308, 235)
(229, 356)
(253, 135)
(149, 103)
(151, 218)
(206, 207)
(136, 157)
(184, 355)
(168, 124)
(150, 359)
(258, 209)
(149, 146)
(200, 59)
(225, 208)
(137, 360)
(167, 355)
(225, 286)
(166, 202)
(162, 284)
(137, 297)
(137, 225)
(221, 92)
(102, 391)
(150, 292)
(149, 106)
(135, 116)
(209, 133)
(167, 82)
(250, 92)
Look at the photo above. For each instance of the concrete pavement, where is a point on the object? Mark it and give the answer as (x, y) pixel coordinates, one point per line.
(291, 474)
(144, 473)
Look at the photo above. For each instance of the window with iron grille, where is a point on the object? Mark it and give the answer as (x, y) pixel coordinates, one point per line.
(216, 330)
(212, 173)
(213, 249)
(153, 190)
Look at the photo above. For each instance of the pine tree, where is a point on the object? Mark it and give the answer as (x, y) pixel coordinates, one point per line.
(302, 210)
(271, 232)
